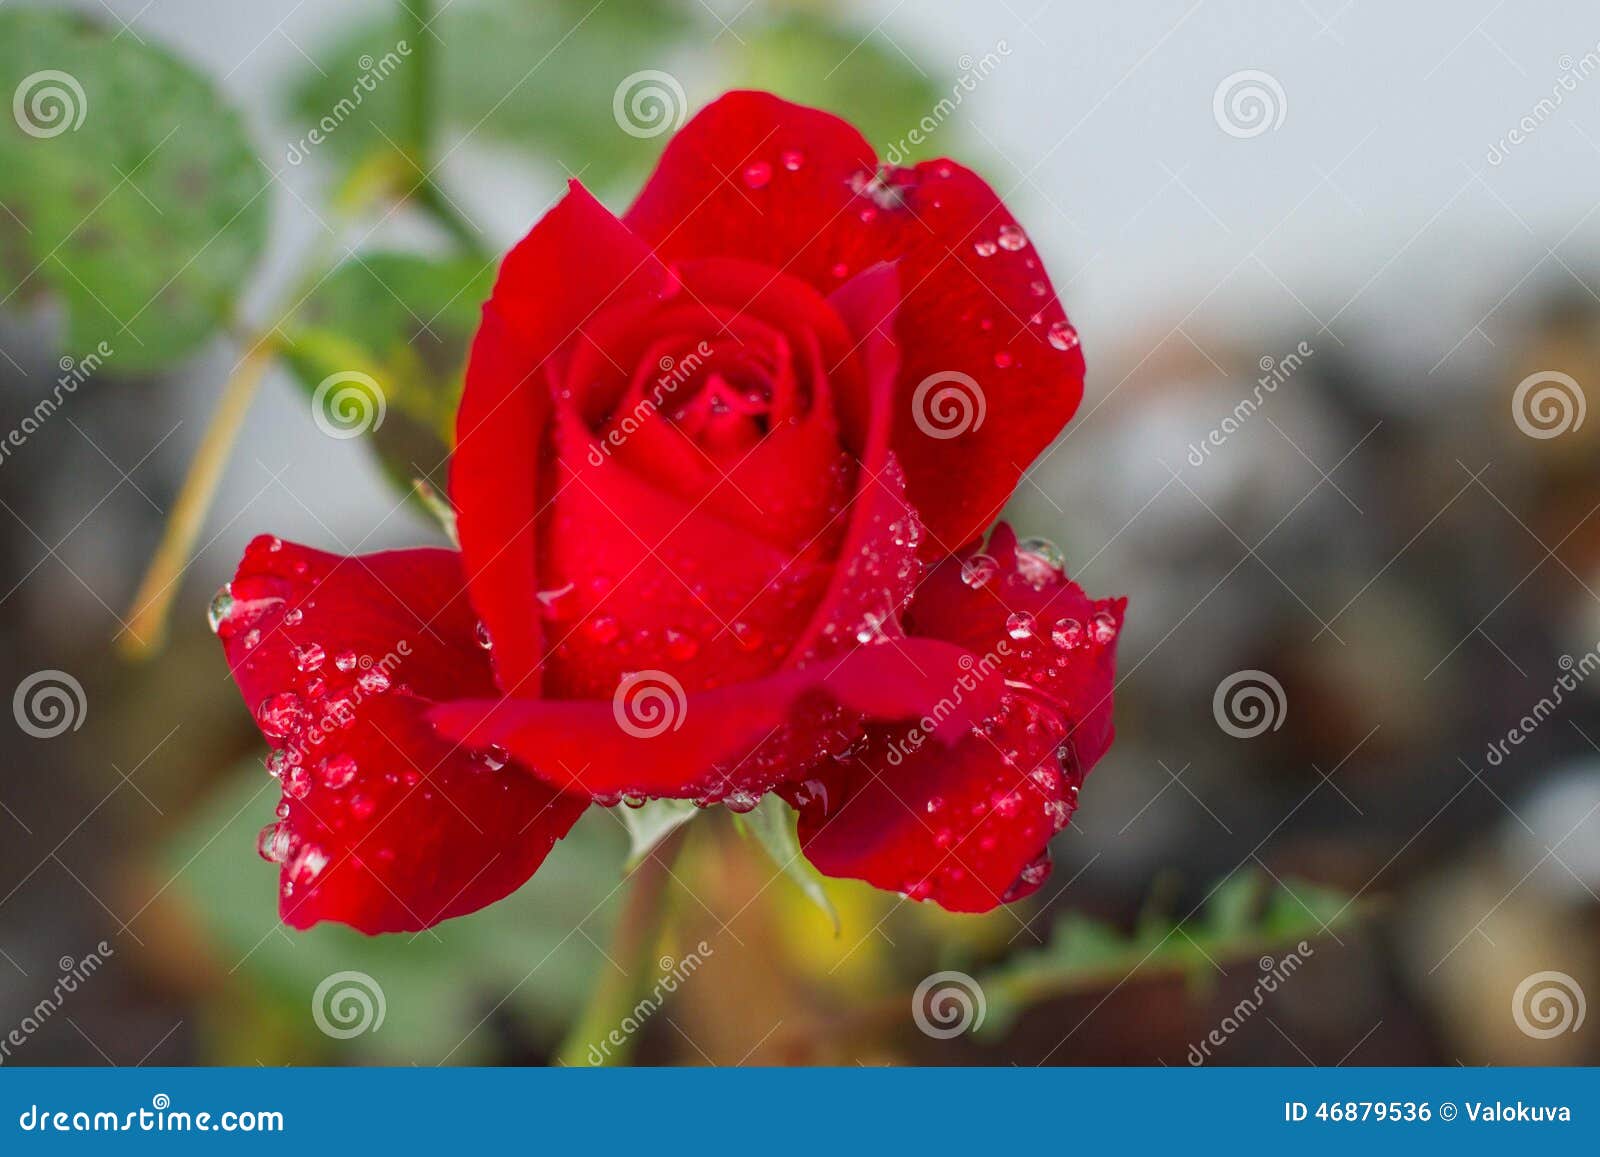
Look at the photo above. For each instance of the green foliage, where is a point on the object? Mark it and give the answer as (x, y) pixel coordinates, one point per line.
(651, 823)
(438, 985)
(147, 215)
(772, 825)
(405, 321)
(808, 57)
(1244, 917)
(535, 75)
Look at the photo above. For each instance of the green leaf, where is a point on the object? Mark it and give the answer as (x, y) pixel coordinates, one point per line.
(651, 823)
(539, 77)
(809, 58)
(772, 825)
(438, 985)
(404, 322)
(1242, 919)
(129, 188)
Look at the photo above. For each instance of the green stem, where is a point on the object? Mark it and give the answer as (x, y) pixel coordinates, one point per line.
(633, 948)
(146, 626)
(421, 101)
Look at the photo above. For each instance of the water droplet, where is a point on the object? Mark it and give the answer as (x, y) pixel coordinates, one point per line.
(1105, 628)
(279, 715)
(297, 782)
(1019, 625)
(308, 658)
(276, 762)
(741, 801)
(602, 629)
(757, 174)
(338, 770)
(1067, 633)
(495, 757)
(374, 681)
(1012, 238)
(273, 843)
(481, 632)
(293, 616)
(681, 645)
(985, 248)
(978, 570)
(1063, 335)
(793, 159)
(345, 661)
(1002, 359)
(221, 607)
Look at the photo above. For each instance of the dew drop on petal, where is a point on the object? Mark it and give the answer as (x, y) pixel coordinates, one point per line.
(793, 159)
(1063, 335)
(338, 770)
(1012, 238)
(978, 570)
(757, 174)
(1019, 625)
(985, 248)
(221, 607)
(741, 801)
(273, 843)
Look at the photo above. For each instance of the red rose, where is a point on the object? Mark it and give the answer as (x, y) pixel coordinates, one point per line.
(722, 470)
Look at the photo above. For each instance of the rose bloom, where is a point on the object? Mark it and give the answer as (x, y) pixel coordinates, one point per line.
(726, 473)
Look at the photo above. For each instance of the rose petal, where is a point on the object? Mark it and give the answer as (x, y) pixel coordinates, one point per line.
(653, 739)
(968, 826)
(979, 315)
(575, 260)
(388, 827)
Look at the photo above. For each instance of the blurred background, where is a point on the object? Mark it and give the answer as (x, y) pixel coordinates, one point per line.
(1337, 269)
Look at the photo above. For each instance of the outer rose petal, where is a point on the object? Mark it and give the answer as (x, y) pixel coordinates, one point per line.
(576, 259)
(389, 828)
(977, 301)
(969, 826)
(652, 739)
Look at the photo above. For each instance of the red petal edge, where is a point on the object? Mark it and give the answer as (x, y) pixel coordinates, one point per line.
(389, 828)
